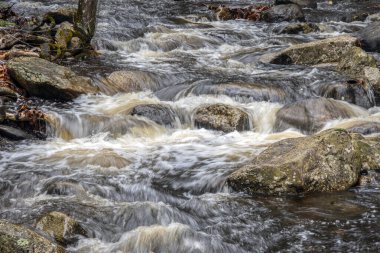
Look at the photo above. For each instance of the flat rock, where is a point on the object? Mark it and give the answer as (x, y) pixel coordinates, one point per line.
(45, 79)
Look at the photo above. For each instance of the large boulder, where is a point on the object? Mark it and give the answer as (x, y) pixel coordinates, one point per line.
(370, 37)
(161, 114)
(19, 239)
(62, 228)
(222, 118)
(326, 162)
(42, 78)
(283, 12)
(316, 52)
(311, 115)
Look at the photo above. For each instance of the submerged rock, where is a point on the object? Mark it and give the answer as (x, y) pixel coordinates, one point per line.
(311, 115)
(326, 162)
(44, 79)
(296, 28)
(161, 114)
(19, 239)
(222, 117)
(283, 12)
(61, 227)
(352, 91)
(130, 81)
(370, 37)
(316, 52)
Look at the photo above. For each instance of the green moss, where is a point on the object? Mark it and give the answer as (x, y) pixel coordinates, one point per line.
(4, 23)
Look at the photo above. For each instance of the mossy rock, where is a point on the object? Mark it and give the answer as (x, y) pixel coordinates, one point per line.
(19, 239)
(4, 23)
(61, 227)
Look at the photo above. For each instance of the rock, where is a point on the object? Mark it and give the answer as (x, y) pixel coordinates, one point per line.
(42, 78)
(62, 14)
(325, 162)
(5, 10)
(8, 40)
(8, 92)
(13, 133)
(130, 81)
(19, 239)
(284, 12)
(311, 115)
(161, 114)
(64, 35)
(370, 37)
(222, 118)
(352, 91)
(313, 53)
(353, 62)
(373, 18)
(295, 28)
(361, 127)
(372, 77)
(61, 227)
(302, 3)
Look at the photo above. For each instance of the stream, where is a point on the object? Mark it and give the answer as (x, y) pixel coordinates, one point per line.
(137, 186)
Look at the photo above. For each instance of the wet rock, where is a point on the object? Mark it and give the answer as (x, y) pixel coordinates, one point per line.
(222, 118)
(62, 14)
(372, 76)
(370, 37)
(283, 12)
(325, 162)
(302, 3)
(161, 114)
(311, 115)
(44, 79)
(19, 239)
(316, 52)
(13, 133)
(64, 188)
(62, 228)
(353, 62)
(130, 81)
(373, 18)
(362, 127)
(296, 28)
(5, 10)
(352, 91)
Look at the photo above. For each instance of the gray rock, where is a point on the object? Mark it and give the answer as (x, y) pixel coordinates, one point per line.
(13, 133)
(354, 61)
(130, 81)
(295, 28)
(284, 12)
(222, 118)
(62, 14)
(370, 37)
(19, 239)
(161, 114)
(326, 162)
(311, 115)
(44, 79)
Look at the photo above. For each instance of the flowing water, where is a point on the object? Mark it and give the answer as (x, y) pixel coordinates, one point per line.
(136, 186)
